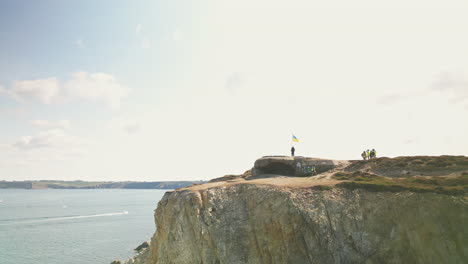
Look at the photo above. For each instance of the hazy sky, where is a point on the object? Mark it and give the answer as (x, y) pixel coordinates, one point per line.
(175, 90)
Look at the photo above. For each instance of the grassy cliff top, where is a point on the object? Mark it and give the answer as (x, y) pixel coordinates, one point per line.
(437, 174)
(453, 185)
(411, 166)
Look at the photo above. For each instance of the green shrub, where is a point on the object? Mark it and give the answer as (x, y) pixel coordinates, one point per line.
(356, 176)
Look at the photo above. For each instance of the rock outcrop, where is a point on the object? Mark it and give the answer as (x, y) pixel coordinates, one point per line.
(261, 224)
(308, 220)
(140, 258)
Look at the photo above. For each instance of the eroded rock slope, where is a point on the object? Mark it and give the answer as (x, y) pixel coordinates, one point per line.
(248, 223)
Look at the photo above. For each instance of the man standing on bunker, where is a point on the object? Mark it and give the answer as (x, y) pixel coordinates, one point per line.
(294, 139)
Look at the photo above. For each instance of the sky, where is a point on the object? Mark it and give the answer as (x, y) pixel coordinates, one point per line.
(164, 90)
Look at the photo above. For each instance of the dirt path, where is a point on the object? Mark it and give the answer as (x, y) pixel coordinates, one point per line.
(304, 182)
(281, 181)
(328, 174)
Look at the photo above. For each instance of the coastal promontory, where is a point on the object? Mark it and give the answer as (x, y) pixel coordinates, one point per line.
(385, 210)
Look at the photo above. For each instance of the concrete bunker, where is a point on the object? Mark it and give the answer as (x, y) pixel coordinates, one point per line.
(291, 166)
(279, 168)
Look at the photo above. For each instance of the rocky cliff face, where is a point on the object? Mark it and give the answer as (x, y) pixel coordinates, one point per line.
(251, 223)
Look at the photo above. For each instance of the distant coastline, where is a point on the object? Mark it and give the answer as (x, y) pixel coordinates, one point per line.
(53, 184)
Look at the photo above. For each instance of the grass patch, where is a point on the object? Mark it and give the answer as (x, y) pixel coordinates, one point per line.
(417, 165)
(355, 176)
(371, 182)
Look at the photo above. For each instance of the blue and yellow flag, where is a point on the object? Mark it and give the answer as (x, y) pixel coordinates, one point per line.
(294, 138)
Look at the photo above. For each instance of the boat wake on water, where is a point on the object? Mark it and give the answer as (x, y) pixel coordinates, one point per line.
(62, 218)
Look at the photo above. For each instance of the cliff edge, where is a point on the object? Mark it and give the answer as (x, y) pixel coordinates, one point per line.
(353, 212)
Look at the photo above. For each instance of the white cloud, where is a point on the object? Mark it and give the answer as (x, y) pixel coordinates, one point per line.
(43, 90)
(145, 41)
(235, 80)
(390, 99)
(132, 128)
(456, 84)
(97, 87)
(61, 124)
(410, 141)
(6, 92)
(52, 144)
(138, 29)
(177, 35)
(48, 139)
(82, 85)
(44, 153)
(5, 147)
(127, 124)
(80, 43)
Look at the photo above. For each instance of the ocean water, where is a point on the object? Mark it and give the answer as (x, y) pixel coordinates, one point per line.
(74, 226)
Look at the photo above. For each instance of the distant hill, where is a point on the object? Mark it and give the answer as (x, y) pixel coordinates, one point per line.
(94, 185)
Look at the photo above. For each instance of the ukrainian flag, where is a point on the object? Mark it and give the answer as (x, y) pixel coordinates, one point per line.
(294, 138)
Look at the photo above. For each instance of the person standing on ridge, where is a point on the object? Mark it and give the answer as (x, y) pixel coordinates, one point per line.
(364, 155)
(373, 154)
(294, 139)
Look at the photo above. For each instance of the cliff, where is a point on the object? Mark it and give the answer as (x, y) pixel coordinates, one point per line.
(316, 219)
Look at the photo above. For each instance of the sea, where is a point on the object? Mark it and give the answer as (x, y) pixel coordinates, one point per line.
(93, 226)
